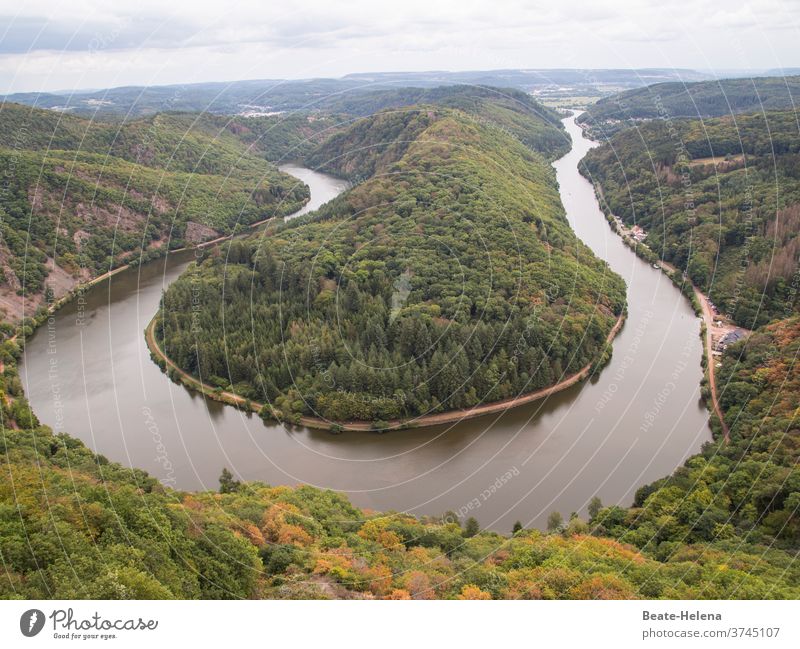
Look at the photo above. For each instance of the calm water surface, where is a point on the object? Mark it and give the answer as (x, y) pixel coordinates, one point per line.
(634, 423)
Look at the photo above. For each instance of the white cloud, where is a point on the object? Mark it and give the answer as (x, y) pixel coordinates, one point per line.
(96, 43)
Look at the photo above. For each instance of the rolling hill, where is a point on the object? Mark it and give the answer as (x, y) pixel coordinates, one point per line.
(702, 99)
(81, 197)
(718, 198)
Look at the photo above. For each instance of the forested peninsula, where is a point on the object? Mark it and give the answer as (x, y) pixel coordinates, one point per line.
(447, 277)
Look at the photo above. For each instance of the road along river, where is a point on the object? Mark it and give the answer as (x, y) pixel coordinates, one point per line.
(89, 373)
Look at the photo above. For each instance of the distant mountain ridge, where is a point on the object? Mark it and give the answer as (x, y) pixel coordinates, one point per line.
(703, 99)
(276, 94)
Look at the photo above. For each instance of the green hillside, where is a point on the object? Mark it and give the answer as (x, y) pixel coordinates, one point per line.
(82, 197)
(73, 525)
(447, 277)
(512, 111)
(719, 198)
(701, 99)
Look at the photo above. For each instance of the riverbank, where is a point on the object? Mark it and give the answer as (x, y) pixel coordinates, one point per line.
(88, 372)
(448, 417)
(699, 301)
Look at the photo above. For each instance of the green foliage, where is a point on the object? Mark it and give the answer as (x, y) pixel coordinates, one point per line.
(720, 220)
(511, 111)
(471, 527)
(93, 195)
(702, 99)
(414, 292)
(73, 525)
(227, 484)
(554, 521)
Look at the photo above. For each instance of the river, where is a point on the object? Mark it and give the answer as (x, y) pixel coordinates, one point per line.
(89, 373)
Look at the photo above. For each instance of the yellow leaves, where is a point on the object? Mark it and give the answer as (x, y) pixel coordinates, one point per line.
(611, 548)
(522, 585)
(471, 591)
(191, 503)
(398, 593)
(375, 530)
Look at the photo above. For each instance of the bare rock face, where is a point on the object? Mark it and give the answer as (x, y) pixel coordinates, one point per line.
(197, 232)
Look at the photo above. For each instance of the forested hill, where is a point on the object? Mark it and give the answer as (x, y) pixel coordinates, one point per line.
(725, 525)
(514, 111)
(447, 277)
(702, 99)
(81, 197)
(719, 198)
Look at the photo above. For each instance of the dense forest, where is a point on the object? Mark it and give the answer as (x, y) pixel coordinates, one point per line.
(446, 277)
(509, 110)
(725, 525)
(73, 525)
(700, 99)
(718, 198)
(81, 197)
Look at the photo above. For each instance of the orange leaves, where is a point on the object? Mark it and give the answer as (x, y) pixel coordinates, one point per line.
(418, 585)
(279, 525)
(253, 534)
(294, 535)
(602, 587)
(332, 563)
(471, 591)
(379, 580)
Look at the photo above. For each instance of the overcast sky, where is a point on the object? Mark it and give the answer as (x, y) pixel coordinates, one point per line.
(53, 45)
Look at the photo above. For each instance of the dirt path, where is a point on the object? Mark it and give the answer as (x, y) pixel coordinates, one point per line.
(708, 319)
(451, 416)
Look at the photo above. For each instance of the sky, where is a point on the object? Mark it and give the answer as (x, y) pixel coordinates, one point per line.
(49, 45)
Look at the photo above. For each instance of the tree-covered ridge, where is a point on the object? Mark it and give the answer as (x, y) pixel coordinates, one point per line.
(73, 525)
(700, 99)
(449, 277)
(507, 109)
(718, 198)
(82, 197)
